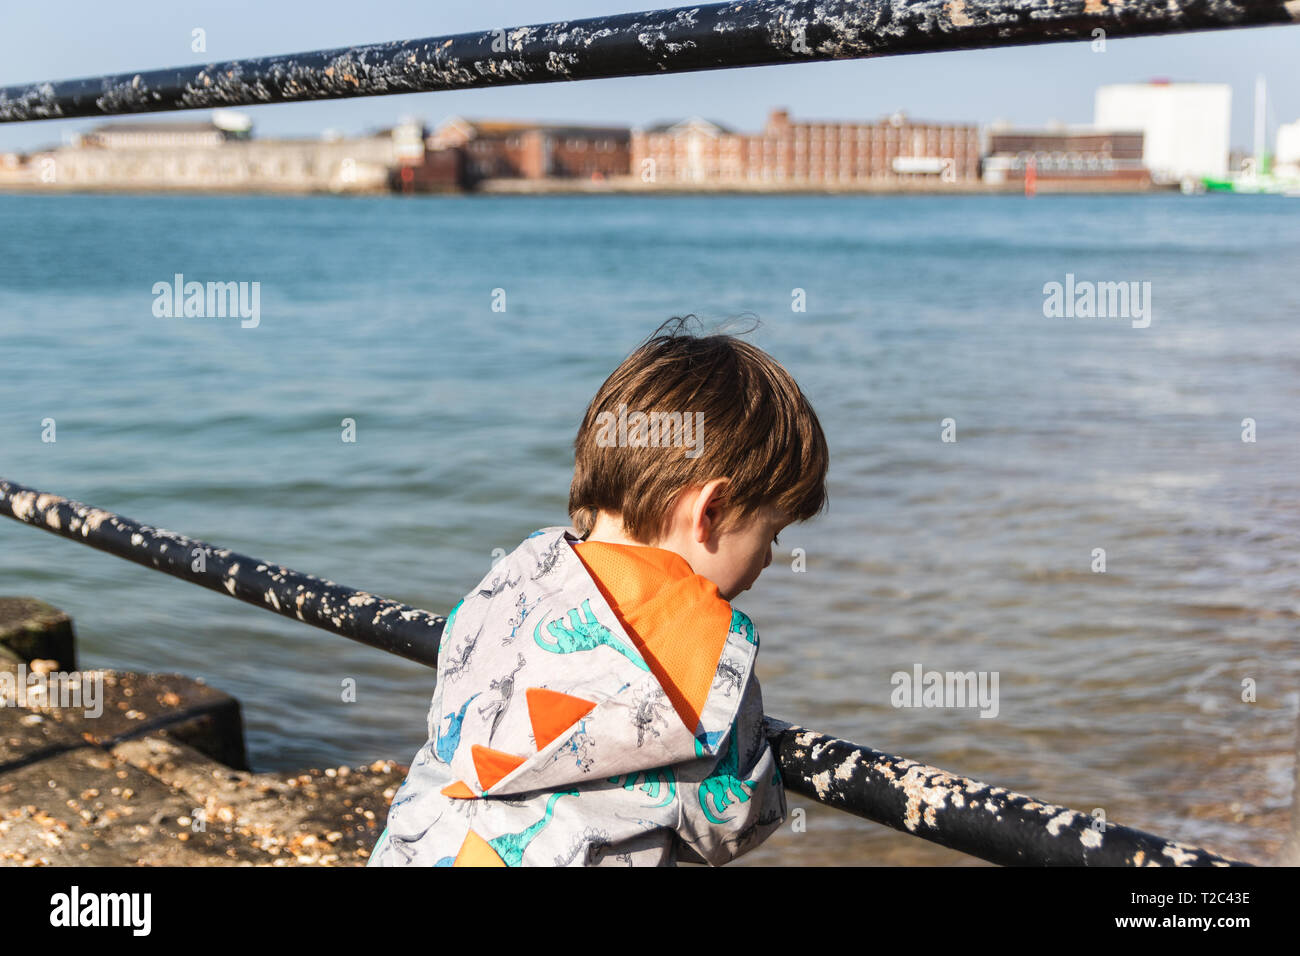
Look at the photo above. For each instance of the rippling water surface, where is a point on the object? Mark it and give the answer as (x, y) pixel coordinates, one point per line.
(1120, 690)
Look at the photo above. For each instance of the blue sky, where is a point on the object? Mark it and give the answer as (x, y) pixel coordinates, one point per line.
(1026, 85)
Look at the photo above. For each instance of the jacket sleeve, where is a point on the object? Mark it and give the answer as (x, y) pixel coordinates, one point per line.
(731, 803)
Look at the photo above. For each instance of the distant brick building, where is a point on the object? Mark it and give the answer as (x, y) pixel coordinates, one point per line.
(694, 150)
(895, 150)
(1075, 157)
(438, 171)
(502, 149)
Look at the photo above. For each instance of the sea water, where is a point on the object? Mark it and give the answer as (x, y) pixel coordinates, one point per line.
(1102, 513)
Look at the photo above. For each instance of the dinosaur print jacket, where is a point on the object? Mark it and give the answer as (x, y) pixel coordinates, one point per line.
(562, 733)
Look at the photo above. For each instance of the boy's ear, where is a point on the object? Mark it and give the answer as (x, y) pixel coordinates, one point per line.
(709, 508)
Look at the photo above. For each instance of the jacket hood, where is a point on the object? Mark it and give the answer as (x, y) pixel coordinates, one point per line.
(542, 686)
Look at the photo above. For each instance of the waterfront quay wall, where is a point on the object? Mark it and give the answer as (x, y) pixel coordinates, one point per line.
(116, 768)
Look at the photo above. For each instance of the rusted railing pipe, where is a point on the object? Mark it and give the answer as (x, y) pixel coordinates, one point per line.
(991, 823)
(707, 37)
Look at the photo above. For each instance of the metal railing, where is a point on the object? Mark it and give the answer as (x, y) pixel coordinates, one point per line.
(708, 37)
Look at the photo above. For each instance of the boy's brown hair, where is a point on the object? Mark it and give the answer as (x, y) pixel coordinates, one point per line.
(758, 430)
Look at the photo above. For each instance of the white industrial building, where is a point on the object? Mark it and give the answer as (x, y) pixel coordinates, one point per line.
(1185, 126)
(1287, 158)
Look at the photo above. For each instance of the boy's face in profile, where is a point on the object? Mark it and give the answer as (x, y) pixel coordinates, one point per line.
(739, 554)
(728, 549)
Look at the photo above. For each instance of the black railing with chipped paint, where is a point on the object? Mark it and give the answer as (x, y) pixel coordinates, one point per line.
(706, 37)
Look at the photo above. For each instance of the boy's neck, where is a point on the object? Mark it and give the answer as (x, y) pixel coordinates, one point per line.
(609, 529)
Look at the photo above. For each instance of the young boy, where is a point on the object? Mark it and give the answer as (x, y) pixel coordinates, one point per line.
(596, 699)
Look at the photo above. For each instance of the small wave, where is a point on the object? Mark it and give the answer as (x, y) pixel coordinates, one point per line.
(1235, 611)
